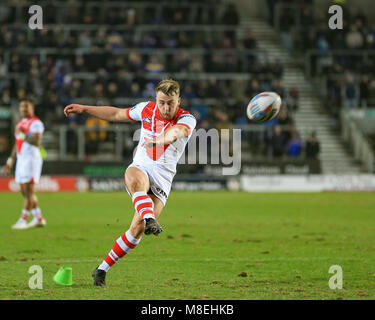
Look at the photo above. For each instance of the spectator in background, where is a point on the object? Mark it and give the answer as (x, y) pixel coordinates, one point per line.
(277, 142)
(312, 147)
(135, 90)
(213, 88)
(271, 11)
(276, 68)
(188, 92)
(223, 122)
(294, 146)
(3, 73)
(98, 91)
(200, 111)
(5, 15)
(292, 99)
(112, 90)
(76, 90)
(354, 38)
(372, 92)
(4, 147)
(230, 15)
(5, 100)
(364, 91)
(95, 134)
(253, 88)
(307, 18)
(238, 89)
(284, 117)
(278, 87)
(323, 44)
(335, 96)
(149, 91)
(140, 79)
(221, 118)
(350, 92)
(370, 38)
(84, 39)
(71, 135)
(196, 65)
(135, 61)
(249, 42)
(360, 19)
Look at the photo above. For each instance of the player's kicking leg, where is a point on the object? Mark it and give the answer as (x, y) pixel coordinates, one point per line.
(138, 184)
(126, 243)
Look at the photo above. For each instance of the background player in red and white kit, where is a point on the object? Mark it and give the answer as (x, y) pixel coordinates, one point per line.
(28, 134)
(166, 129)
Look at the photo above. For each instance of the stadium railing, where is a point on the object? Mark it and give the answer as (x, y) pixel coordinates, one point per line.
(43, 52)
(362, 150)
(323, 83)
(313, 54)
(198, 76)
(70, 31)
(63, 7)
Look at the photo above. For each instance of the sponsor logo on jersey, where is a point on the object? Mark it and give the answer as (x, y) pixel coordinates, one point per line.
(147, 120)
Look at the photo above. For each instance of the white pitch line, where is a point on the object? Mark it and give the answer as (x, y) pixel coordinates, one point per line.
(70, 260)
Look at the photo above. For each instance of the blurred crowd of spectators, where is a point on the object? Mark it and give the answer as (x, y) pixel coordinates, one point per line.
(102, 77)
(160, 12)
(281, 139)
(347, 79)
(114, 39)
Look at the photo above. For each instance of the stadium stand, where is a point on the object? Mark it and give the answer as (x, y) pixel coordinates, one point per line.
(338, 63)
(112, 52)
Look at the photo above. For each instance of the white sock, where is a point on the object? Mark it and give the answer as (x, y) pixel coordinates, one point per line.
(104, 266)
(37, 213)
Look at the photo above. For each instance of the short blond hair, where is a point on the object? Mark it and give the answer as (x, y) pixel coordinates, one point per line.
(169, 87)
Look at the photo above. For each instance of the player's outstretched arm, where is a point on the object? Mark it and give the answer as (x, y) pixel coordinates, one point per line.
(169, 136)
(102, 112)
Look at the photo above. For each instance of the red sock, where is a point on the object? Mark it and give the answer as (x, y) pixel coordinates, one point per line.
(121, 248)
(143, 204)
(25, 214)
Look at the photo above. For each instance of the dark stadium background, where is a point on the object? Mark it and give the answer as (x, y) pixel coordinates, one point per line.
(223, 53)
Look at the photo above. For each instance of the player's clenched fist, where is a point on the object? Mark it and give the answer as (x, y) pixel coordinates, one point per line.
(74, 109)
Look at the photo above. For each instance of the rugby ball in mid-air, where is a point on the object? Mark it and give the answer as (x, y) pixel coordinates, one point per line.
(264, 107)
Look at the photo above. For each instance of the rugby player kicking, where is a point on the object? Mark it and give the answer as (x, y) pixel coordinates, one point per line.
(26, 154)
(166, 129)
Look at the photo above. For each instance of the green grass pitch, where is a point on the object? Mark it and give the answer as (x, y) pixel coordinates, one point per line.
(215, 245)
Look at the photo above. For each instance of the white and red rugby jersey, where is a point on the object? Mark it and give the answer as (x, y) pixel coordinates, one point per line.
(152, 126)
(28, 125)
